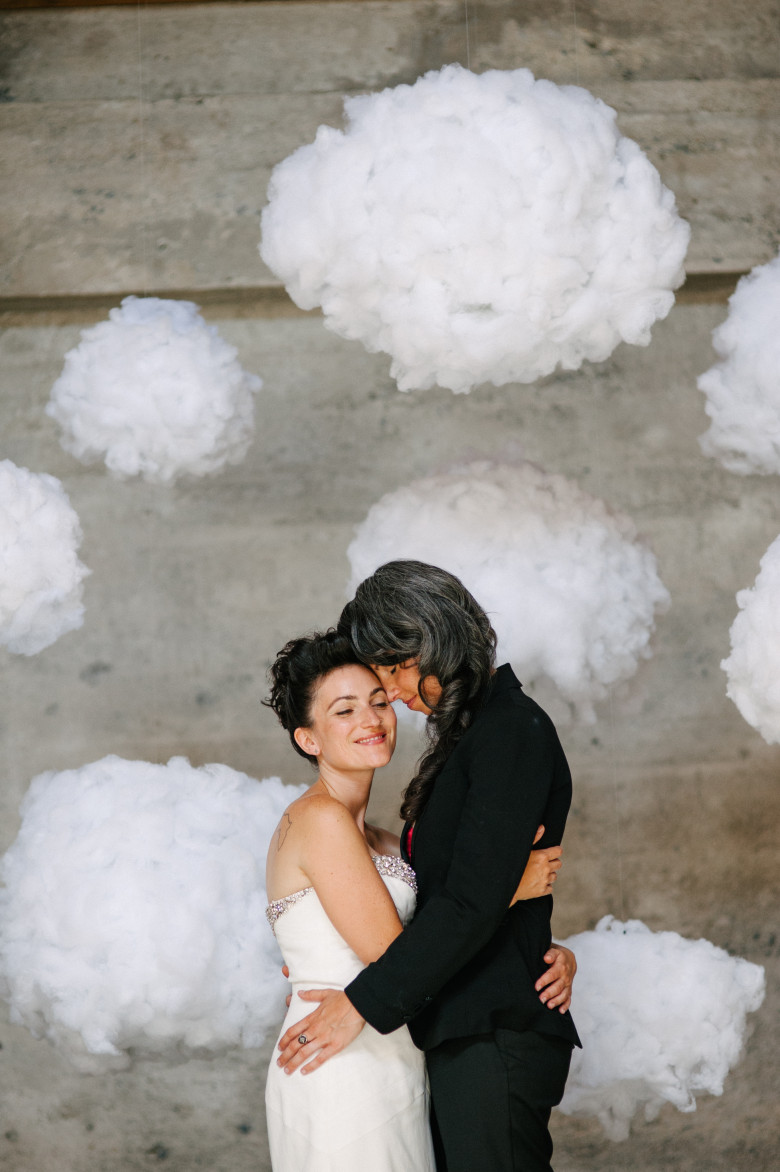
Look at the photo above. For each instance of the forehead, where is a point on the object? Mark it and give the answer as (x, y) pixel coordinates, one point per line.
(354, 679)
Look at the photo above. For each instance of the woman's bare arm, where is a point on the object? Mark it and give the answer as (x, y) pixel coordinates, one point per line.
(325, 847)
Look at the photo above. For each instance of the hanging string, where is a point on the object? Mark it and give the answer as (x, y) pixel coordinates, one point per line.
(610, 738)
(468, 46)
(616, 806)
(576, 42)
(142, 160)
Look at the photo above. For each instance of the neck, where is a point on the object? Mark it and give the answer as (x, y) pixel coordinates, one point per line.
(351, 789)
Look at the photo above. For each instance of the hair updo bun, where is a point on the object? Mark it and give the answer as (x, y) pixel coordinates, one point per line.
(294, 675)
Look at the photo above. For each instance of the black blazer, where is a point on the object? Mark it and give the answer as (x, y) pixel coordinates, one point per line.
(468, 962)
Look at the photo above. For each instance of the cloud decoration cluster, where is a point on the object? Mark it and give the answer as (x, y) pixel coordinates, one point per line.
(571, 590)
(743, 389)
(753, 667)
(133, 913)
(477, 228)
(156, 392)
(661, 1019)
(41, 577)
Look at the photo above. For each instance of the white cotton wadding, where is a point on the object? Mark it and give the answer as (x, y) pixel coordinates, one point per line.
(569, 588)
(661, 1019)
(477, 228)
(157, 392)
(132, 921)
(40, 574)
(743, 389)
(753, 668)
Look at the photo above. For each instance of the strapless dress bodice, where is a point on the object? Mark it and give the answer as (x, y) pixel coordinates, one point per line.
(312, 949)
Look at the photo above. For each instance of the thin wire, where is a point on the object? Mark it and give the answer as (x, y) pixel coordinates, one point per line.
(142, 159)
(611, 706)
(468, 46)
(576, 40)
(618, 812)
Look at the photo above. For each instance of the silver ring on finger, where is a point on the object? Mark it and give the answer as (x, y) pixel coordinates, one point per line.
(302, 1039)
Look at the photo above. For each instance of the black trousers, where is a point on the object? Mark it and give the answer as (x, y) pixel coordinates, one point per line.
(491, 1097)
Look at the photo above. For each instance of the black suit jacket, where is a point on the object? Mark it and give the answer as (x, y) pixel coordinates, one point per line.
(468, 962)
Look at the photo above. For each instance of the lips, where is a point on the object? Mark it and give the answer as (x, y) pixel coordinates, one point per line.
(375, 740)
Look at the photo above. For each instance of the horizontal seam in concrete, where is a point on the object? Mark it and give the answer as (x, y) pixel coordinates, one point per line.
(19, 4)
(262, 301)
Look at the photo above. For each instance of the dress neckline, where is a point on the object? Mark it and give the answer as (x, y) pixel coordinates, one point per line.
(392, 866)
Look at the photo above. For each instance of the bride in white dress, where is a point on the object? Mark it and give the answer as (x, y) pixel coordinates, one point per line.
(340, 893)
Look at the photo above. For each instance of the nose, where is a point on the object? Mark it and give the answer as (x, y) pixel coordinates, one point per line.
(392, 690)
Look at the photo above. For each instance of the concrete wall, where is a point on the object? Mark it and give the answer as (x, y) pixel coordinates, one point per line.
(193, 588)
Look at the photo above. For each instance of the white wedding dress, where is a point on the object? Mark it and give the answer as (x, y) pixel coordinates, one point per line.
(366, 1109)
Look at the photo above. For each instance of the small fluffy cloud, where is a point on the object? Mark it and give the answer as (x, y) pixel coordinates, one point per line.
(743, 389)
(133, 913)
(40, 574)
(753, 668)
(157, 392)
(570, 589)
(661, 1020)
(477, 228)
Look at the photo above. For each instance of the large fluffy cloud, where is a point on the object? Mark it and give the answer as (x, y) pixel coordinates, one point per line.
(157, 392)
(40, 573)
(753, 668)
(133, 913)
(477, 228)
(661, 1019)
(570, 589)
(743, 389)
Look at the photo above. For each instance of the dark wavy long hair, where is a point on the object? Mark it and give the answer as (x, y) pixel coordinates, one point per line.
(294, 675)
(412, 610)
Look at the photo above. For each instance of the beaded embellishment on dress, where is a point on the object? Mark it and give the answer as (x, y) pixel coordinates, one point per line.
(280, 906)
(390, 865)
(395, 867)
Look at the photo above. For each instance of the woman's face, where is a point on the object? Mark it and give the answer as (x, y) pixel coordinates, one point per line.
(352, 723)
(402, 682)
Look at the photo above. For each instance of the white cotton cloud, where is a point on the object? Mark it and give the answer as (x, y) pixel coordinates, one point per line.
(661, 1019)
(753, 668)
(477, 228)
(156, 392)
(743, 389)
(570, 589)
(40, 574)
(132, 920)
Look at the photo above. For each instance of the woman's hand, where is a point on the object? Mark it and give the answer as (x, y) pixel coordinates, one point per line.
(554, 986)
(540, 872)
(328, 1030)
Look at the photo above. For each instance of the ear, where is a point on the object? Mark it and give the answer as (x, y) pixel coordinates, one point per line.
(305, 740)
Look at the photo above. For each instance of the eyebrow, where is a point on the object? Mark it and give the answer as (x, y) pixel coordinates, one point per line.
(340, 698)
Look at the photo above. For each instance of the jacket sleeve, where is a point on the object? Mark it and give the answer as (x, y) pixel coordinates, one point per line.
(510, 756)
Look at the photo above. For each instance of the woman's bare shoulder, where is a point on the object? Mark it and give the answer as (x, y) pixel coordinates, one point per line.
(318, 815)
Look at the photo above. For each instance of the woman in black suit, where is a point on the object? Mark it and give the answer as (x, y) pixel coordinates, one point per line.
(466, 974)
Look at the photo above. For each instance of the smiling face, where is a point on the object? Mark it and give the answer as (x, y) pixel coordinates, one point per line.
(402, 682)
(352, 725)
